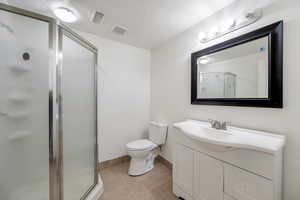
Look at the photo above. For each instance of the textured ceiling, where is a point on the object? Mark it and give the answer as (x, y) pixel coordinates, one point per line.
(149, 22)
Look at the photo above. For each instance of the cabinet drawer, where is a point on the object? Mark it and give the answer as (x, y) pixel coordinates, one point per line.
(243, 185)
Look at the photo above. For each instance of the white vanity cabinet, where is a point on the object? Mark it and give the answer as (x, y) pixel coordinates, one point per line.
(196, 175)
(208, 182)
(184, 167)
(213, 171)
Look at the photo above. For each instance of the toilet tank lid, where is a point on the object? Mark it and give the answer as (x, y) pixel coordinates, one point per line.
(158, 124)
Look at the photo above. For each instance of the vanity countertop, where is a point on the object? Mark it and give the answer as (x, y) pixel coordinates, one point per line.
(233, 136)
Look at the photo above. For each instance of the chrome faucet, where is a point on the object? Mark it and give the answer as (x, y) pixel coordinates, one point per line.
(220, 125)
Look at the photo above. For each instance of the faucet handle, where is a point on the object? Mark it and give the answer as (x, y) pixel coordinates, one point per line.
(228, 123)
(211, 121)
(225, 124)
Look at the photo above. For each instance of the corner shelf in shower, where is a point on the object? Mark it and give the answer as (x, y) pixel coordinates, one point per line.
(18, 115)
(18, 135)
(19, 98)
(20, 68)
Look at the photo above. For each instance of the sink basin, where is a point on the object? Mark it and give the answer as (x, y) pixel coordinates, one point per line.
(233, 137)
(216, 134)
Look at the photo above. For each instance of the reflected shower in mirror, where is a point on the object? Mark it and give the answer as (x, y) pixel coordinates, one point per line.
(237, 72)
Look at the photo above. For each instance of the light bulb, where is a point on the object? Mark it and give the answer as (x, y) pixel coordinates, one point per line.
(241, 20)
(213, 32)
(202, 36)
(65, 14)
(229, 24)
(203, 61)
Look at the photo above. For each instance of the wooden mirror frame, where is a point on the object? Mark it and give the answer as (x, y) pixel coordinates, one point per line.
(274, 32)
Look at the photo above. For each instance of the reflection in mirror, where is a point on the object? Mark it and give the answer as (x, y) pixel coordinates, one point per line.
(237, 72)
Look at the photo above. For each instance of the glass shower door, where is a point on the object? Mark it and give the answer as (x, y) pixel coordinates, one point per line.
(78, 116)
(48, 122)
(24, 104)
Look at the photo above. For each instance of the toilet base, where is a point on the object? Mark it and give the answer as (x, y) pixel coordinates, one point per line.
(139, 173)
(140, 166)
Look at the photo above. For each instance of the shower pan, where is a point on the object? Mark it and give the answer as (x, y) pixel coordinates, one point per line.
(48, 110)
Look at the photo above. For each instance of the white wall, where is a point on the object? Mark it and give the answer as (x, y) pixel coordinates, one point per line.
(124, 95)
(170, 89)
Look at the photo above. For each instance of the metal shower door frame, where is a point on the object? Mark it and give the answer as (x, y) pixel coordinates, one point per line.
(56, 31)
(65, 31)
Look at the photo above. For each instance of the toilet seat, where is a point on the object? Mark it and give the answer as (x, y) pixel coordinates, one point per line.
(141, 145)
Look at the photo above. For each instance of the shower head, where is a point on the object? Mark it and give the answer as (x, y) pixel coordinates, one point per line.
(7, 27)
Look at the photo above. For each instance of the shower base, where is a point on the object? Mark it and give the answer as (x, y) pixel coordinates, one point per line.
(39, 191)
(97, 191)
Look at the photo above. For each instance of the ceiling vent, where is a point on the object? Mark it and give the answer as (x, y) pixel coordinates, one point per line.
(119, 30)
(97, 17)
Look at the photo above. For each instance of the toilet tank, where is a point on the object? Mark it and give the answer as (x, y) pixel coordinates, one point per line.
(158, 133)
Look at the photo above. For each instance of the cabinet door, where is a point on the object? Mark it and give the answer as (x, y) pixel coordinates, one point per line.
(184, 168)
(208, 182)
(243, 185)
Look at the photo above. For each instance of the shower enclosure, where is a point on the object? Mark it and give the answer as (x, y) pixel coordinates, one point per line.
(216, 85)
(48, 110)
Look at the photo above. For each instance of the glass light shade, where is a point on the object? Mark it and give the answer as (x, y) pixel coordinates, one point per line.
(65, 14)
(204, 61)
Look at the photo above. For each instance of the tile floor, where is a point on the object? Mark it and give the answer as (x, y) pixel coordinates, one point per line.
(155, 185)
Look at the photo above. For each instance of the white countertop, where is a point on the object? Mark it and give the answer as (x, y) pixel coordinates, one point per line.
(233, 137)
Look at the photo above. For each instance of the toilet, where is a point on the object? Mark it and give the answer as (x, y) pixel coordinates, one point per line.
(143, 152)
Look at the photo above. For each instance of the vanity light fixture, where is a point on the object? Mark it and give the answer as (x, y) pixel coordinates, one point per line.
(202, 36)
(65, 14)
(214, 31)
(230, 25)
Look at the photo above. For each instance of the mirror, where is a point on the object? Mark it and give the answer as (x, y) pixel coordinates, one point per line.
(244, 71)
(237, 72)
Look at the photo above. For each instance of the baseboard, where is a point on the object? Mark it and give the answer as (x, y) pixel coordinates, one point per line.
(122, 159)
(164, 161)
(110, 163)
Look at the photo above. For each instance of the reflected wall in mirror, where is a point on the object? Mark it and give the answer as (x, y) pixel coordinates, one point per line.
(244, 71)
(237, 72)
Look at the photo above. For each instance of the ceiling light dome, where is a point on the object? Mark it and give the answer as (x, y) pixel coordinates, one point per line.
(65, 14)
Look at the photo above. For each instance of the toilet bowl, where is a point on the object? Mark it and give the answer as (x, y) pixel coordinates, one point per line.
(143, 152)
